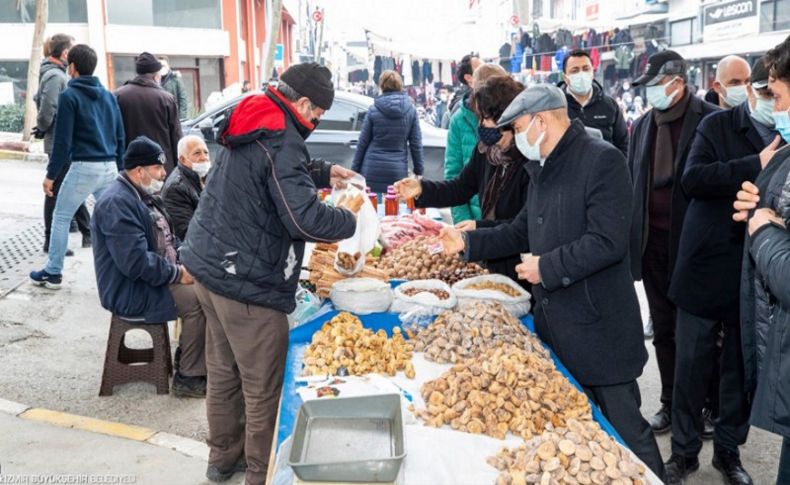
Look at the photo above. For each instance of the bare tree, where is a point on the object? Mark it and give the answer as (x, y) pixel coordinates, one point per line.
(274, 15)
(33, 67)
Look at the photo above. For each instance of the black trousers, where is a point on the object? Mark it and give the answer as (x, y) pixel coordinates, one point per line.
(655, 276)
(620, 404)
(696, 348)
(82, 216)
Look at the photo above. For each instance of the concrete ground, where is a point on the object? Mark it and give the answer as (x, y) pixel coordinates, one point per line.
(51, 355)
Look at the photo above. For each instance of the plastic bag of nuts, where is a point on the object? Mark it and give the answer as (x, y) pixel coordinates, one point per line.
(344, 343)
(504, 389)
(423, 297)
(579, 453)
(472, 329)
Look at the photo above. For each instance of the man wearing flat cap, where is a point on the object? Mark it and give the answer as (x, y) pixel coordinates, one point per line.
(573, 236)
(660, 143)
(149, 110)
(245, 246)
(138, 274)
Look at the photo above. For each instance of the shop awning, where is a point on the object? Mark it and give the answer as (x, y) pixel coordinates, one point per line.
(752, 44)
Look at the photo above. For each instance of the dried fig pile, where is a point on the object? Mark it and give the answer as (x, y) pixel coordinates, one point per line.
(580, 453)
(504, 389)
(413, 261)
(456, 335)
(344, 343)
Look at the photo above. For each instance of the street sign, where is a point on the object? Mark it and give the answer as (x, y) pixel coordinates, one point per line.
(318, 16)
(514, 20)
(592, 9)
(279, 50)
(730, 19)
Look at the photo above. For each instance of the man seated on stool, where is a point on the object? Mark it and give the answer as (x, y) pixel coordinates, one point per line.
(135, 255)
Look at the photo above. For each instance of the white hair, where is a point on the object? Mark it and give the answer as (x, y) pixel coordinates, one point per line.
(184, 142)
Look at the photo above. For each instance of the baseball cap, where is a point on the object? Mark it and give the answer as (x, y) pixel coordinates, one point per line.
(660, 64)
(759, 79)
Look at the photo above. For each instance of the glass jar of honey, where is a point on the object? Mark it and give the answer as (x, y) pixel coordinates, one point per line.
(391, 205)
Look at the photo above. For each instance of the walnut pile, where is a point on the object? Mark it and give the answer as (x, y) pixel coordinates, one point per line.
(413, 261)
(344, 343)
(456, 335)
(504, 389)
(580, 453)
(490, 285)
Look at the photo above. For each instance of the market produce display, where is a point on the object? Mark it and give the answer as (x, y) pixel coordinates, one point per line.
(440, 294)
(579, 453)
(398, 230)
(344, 346)
(504, 389)
(460, 334)
(490, 285)
(414, 261)
(323, 274)
(347, 261)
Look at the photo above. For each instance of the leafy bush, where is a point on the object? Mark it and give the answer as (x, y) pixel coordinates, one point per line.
(12, 117)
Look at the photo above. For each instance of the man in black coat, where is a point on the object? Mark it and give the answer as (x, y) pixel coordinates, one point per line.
(245, 247)
(575, 227)
(731, 147)
(182, 189)
(660, 142)
(588, 103)
(149, 110)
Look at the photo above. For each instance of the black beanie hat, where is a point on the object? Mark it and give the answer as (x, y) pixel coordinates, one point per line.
(147, 63)
(313, 81)
(142, 152)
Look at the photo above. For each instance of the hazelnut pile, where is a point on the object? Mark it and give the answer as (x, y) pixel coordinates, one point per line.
(459, 334)
(414, 261)
(579, 453)
(344, 343)
(504, 389)
(440, 294)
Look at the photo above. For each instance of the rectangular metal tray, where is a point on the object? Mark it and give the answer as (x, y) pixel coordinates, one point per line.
(353, 439)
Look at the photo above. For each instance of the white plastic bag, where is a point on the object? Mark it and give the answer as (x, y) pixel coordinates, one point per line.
(307, 304)
(423, 303)
(367, 232)
(517, 305)
(361, 296)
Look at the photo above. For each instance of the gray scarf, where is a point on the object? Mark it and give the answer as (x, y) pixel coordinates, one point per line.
(664, 153)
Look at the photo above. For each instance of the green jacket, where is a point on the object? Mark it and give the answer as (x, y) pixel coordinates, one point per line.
(461, 141)
(172, 84)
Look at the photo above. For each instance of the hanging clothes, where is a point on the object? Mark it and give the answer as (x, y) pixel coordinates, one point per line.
(408, 76)
(427, 72)
(416, 75)
(517, 58)
(504, 56)
(595, 57)
(377, 69)
(454, 73)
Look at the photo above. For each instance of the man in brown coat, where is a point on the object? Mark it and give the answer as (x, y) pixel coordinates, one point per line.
(149, 110)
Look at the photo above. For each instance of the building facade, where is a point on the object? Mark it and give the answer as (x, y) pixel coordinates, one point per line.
(215, 45)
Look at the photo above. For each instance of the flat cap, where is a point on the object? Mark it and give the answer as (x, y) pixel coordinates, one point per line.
(534, 99)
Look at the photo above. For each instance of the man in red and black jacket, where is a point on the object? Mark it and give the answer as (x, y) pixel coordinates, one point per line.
(244, 247)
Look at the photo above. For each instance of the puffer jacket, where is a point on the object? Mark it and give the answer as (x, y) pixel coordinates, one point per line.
(461, 141)
(52, 80)
(602, 113)
(382, 155)
(259, 207)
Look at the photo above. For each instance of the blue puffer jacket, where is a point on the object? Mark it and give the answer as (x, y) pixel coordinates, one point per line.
(382, 156)
(133, 280)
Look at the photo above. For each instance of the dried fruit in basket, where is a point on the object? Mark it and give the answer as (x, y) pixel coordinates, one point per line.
(467, 332)
(344, 343)
(581, 452)
(504, 389)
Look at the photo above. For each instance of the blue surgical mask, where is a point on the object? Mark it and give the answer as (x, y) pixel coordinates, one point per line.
(735, 95)
(782, 122)
(580, 83)
(489, 136)
(529, 150)
(763, 111)
(657, 97)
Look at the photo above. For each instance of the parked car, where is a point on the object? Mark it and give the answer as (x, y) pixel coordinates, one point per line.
(336, 137)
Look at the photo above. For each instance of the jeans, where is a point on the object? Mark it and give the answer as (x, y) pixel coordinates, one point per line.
(82, 217)
(83, 179)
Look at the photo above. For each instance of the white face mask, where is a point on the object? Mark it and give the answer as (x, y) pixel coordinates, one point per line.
(735, 95)
(154, 187)
(658, 98)
(763, 111)
(201, 168)
(529, 150)
(581, 82)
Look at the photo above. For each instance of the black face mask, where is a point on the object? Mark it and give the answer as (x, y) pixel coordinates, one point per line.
(489, 136)
(315, 122)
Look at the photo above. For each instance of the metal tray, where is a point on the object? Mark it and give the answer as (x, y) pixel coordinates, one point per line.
(353, 439)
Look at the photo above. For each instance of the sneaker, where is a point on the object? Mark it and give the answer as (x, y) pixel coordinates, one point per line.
(648, 330)
(729, 464)
(42, 278)
(708, 425)
(217, 474)
(185, 386)
(73, 227)
(86, 241)
(661, 422)
(678, 468)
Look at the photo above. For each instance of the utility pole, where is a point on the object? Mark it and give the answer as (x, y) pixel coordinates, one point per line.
(274, 20)
(34, 66)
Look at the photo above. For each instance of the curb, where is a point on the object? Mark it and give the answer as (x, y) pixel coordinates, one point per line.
(185, 446)
(23, 156)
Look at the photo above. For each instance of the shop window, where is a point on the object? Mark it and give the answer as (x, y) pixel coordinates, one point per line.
(205, 14)
(60, 11)
(682, 32)
(774, 15)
